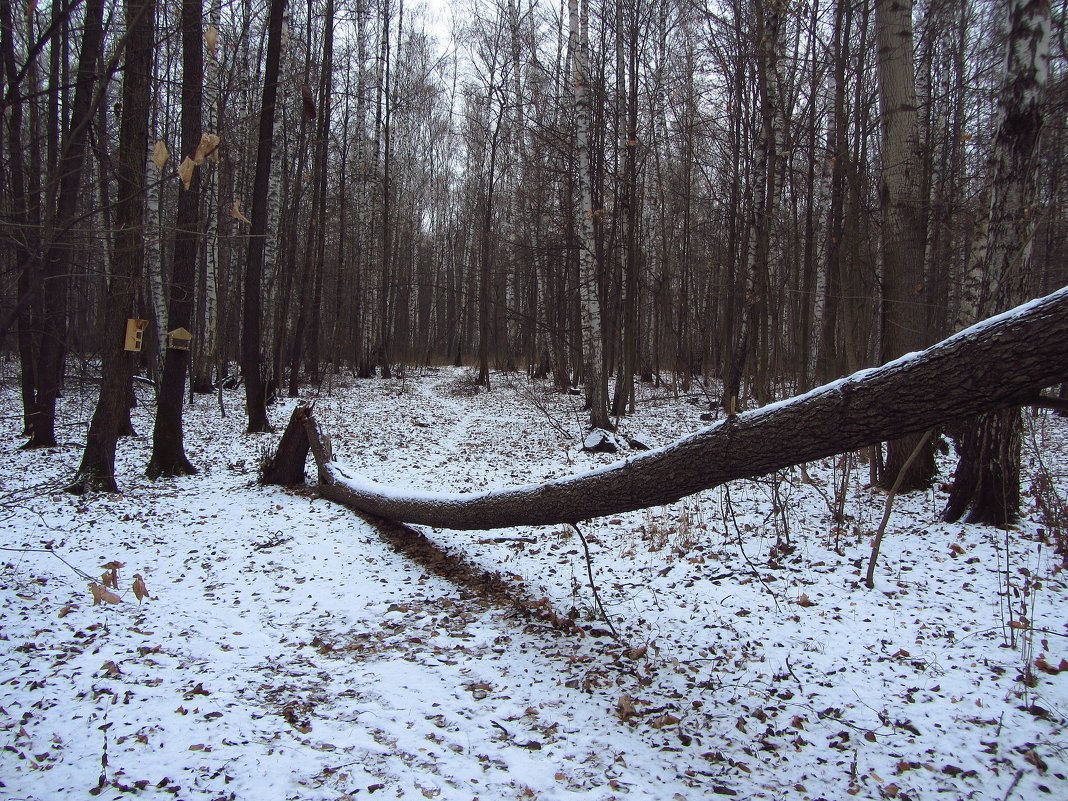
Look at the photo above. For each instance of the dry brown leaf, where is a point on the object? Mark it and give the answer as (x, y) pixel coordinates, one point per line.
(208, 148)
(211, 39)
(664, 720)
(102, 594)
(185, 171)
(235, 212)
(160, 154)
(110, 578)
(139, 588)
(804, 600)
(625, 707)
(111, 668)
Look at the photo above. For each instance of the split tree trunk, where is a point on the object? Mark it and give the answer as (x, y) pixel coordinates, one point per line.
(997, 364)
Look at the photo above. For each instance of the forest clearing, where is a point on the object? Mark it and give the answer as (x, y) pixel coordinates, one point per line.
(287, 650)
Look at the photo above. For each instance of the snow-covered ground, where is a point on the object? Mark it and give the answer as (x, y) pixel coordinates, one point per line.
(287, 651)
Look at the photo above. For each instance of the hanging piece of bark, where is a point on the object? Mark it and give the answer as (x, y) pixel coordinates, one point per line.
(1004, 361)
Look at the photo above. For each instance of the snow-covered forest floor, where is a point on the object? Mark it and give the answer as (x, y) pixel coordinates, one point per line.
(287, 651)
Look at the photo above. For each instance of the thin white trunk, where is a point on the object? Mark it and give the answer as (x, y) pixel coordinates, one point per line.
(589, 302)
(154, 252)
(206, 356)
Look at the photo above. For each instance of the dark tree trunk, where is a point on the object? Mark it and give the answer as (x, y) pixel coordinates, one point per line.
(168, 445)
(987, 482)
(53, 348)
(251, 358)
(111, 419)
(23, 241)
(904, 313)
(286, 467)
(995, 365)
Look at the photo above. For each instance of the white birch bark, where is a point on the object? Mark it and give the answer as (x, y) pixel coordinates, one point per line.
(589, 302)
(206, 355)
(154, 252)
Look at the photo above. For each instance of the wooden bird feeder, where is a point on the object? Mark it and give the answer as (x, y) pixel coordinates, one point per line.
(135, 334)
(179, 339)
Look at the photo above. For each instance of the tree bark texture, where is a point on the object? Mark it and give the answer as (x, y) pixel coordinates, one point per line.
(57, 268)
(904, 313)
(987, 480)
(251, 356)
(999, 363)
(97, 469)
(168, 440)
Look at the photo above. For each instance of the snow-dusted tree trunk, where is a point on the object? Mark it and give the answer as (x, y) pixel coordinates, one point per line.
(999, 363)
(987, 481)
(589, 300)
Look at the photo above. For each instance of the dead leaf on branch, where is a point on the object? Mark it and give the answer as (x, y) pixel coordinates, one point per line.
(211, 39)
(185, 171)
(208, 148)
(160, 154)
(235, 212)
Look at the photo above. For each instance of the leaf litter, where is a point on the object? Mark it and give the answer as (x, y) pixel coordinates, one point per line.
(290, 649)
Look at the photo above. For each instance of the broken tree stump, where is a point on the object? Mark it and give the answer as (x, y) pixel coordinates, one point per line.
(286, 467)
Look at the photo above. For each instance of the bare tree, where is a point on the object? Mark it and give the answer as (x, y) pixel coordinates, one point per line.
(168, 440)
(251, 355)
(97, 469)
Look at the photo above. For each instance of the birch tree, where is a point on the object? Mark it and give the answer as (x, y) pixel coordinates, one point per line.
(987, 481)
(593, 366)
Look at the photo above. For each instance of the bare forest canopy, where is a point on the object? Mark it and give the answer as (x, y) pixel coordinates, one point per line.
(1000, 362)
(748, 196)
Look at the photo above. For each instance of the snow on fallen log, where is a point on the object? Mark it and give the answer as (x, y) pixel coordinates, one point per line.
(1003, 361)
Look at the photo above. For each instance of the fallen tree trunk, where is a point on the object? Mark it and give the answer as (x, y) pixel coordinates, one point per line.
(1004, 361)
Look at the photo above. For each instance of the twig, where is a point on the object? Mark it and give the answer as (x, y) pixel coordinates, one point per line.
(869, 580)
(81, 573)
(593, 584)
(1012, 785)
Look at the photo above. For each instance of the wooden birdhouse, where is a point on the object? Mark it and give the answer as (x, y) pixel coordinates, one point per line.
(135, 334)
(179, 339)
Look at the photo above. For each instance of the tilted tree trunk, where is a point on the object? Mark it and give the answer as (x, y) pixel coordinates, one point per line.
(168, 438)
(1002, 362)
(97, 469)
(987, 481)
(904, 313)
